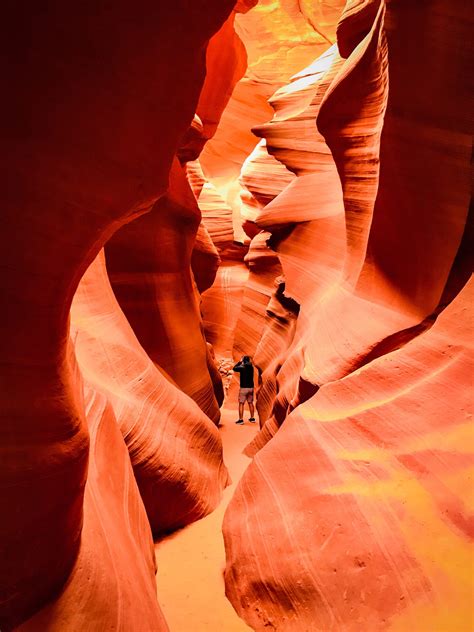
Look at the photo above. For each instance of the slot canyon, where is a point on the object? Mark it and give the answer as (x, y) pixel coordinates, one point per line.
(187, 182)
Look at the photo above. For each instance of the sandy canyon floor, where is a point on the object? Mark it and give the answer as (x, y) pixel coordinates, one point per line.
(191, 561)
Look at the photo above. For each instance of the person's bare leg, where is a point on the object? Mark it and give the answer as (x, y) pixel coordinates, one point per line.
(252, 411)
(241, 411)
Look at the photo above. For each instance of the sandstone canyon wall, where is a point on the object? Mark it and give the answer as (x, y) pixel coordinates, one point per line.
(149, 262)
(99, 97)
(355, 513)
(189, 181)
(177, 484)
(280, 40)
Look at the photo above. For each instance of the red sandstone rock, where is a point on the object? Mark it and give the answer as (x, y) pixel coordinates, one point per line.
(204, 259)
(221, 306)
(307, 215)
(149, 263)
(112, 584)
(195, 177)
(149, 260)
(242, 6)
(280, 40)
(263, 178)
(98, 97)
(216, 217)
(176, 452)
(355, 515)
(394, 291)
(226, 63)
(291, 137)
(264, 267)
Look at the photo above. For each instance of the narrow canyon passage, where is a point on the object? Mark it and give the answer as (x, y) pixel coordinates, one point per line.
(188, 182)
(191, 562)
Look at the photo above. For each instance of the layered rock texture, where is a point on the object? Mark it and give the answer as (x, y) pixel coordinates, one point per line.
(149, 262)
(99, 98)
(177, 484)
(358, 510)
(355, 513)
(184, 182)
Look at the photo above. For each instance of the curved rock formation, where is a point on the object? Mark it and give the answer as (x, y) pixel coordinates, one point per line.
(262, 178)
(216, 217)
(99, 96)
(176, 452)
(221, 304)
(112, 585)
(307, 215)
(354, 514)
(356, 510)
(149, 259)
(226, 63)
(336, 250)
(204, 259)
(280, 40)
(149, 263)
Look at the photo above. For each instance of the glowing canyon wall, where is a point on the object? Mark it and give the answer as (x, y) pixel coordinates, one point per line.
(355, 513)
(187, 182)
(99, 100)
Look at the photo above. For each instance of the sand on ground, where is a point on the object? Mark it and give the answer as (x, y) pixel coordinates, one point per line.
(191, 561)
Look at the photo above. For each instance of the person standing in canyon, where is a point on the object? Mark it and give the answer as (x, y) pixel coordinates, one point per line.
(245, 369)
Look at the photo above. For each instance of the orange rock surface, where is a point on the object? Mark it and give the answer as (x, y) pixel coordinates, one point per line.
(149, 263)
(355, 512)
(99, 96)
(112, 582)
(157, 419)
(187, 182)
(280, 40)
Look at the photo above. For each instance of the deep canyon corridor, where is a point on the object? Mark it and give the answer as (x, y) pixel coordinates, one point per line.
(191, 561)
(189, 182)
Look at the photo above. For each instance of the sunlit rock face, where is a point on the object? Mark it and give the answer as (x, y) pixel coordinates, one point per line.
(116, 543)
(149, 263)
(262, 178)
(152, 260)
(306, 216)
(175, 450)
(221, 305)
(331, 243)
(355, 511)
(99, 97)
(226, 63)
(280, 40)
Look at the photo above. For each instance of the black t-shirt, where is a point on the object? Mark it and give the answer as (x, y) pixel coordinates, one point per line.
(246, 374)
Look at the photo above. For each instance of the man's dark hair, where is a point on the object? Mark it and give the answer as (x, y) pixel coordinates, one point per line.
(246, 359)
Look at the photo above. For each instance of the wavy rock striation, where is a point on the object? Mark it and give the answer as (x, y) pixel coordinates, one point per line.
(354, 512)
(279, 40)
(262, 179)
(176, 452)
(300, 221)
(113, 581)
(149, 263)
(357, 509)
(98, 101)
